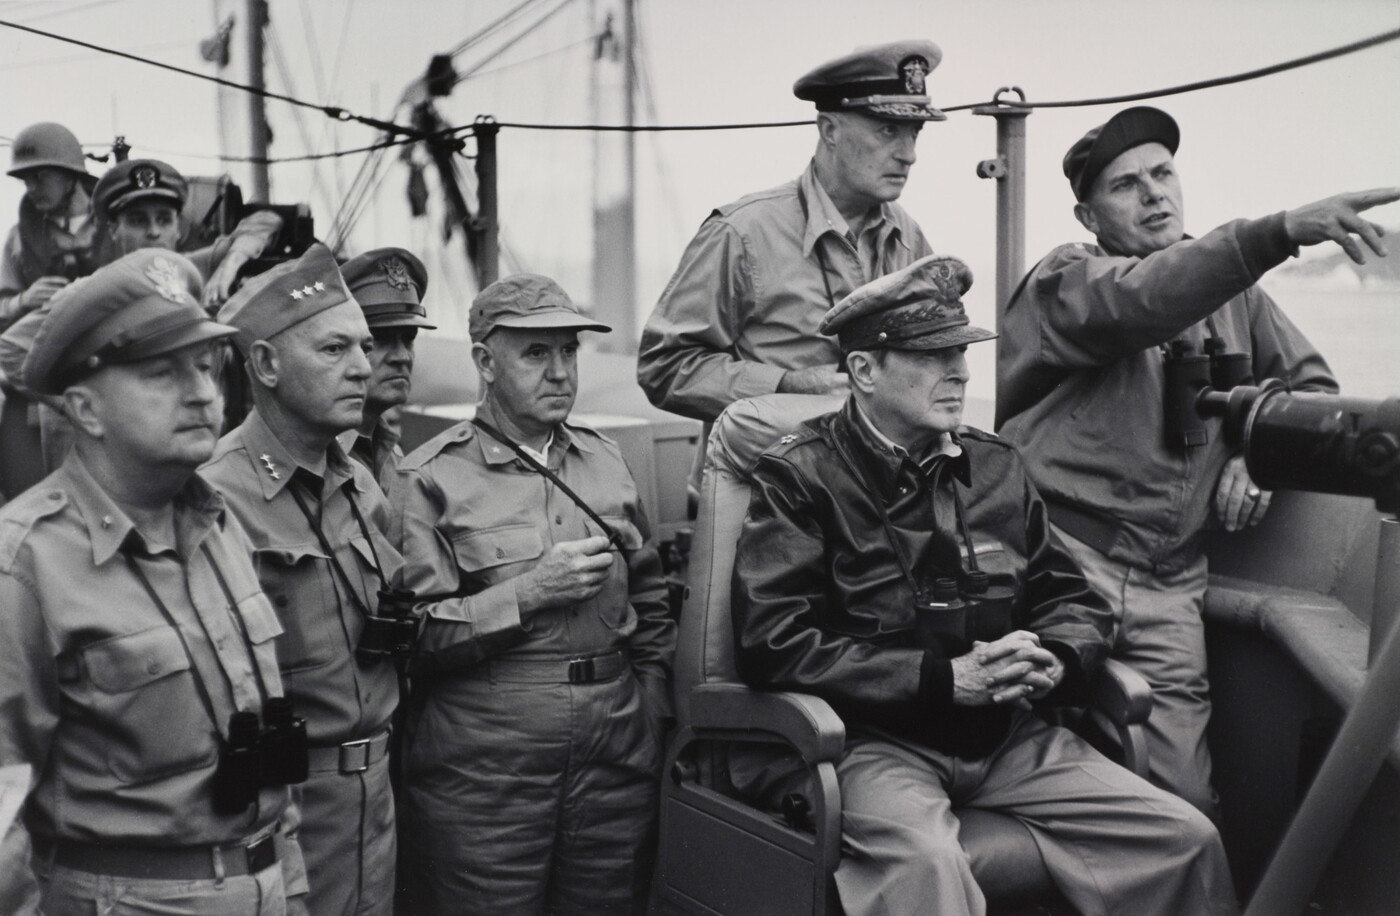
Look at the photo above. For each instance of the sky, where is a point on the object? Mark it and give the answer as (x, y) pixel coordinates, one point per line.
(1247, 150)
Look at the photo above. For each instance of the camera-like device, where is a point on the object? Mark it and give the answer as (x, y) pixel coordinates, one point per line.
(1307, 440)
(259, 754)
(392, 631)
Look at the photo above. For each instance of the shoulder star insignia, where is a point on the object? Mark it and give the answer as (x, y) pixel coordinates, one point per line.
(308, 290)
(296, 294)
(790, 437)
(266, 459)
(320, 287)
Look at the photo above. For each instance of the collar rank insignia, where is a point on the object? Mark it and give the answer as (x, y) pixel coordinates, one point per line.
(396, 274)
(165, 277)
(144, 177)
(913, 69)
(266, 459)
(788, 439)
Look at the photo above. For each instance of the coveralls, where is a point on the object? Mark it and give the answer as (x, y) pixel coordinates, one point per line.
(533, 750)
(1080, 386)
(822, 605)
(347, 830)
(119, 708)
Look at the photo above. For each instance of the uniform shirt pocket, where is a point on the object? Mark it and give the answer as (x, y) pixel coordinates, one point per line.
(295, 579)
(149, 707)
(493, 555)
(614, 608)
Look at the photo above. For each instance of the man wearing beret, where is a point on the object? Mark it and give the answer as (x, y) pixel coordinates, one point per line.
(389, 284)
(739, 317)
(139, 643)
(900, 566)
(534, 745)
(317, 519)
(1081, 389)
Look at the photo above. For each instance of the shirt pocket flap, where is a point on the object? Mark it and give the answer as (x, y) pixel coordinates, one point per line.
(128, 663)
(493, 547)
(258, 619)
(629, 534)
(378, 555)
(287, 555)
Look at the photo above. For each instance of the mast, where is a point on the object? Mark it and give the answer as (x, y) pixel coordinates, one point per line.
(614, 297)
(257, 15)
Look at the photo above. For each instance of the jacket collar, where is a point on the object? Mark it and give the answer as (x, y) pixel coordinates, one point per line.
(883, 462)
(494, 453)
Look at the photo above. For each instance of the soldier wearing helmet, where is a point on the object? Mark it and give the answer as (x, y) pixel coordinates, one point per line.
(52, 242)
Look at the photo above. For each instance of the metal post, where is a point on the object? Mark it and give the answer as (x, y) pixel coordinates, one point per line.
(1009, 170)
(488, 225)
(1387, 594)
(1347, 772)
(257, 109)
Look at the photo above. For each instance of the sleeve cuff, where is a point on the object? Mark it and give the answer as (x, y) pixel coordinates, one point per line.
(935, 682)
(1073, 689)
(1264, 244)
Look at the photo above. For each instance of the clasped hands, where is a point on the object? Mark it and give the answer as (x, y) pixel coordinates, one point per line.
(1014, 667)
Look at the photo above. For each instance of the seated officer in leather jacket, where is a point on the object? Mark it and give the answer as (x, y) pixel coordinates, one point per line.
(901, 567)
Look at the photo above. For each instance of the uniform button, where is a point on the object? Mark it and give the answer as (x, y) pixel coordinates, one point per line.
(500, 553)
(54, 494)
(280, 601)
(558, 519)
(153, 668)
(106, 521)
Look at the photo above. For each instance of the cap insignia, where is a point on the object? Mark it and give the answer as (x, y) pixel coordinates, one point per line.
(165, 277)
(266, 459)
(396, 274)
(913, 69)
(310, 289)
(144, 177)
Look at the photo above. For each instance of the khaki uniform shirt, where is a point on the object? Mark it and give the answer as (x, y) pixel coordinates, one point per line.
(341, 697)
(744, 304)
(475, 517)
(98, 690)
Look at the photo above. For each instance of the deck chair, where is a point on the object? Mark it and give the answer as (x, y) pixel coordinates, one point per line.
(720, 855)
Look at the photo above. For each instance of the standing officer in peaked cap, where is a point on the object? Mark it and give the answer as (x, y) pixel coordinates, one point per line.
(389, 284)
(900, 566)
(317, 521)
(1081, 389)
(739, 317)
(140, 679)
(533, 748)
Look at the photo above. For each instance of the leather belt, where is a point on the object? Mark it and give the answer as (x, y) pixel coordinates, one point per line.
(350, 757)
(172, 863)
(583, 670)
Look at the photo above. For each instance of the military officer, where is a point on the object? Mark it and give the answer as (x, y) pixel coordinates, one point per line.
(739, 317)
(534, 740)
(140, 647)
(317, 520)
(389, 284)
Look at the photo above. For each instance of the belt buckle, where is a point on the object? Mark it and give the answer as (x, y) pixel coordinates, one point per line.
(261, 854)
(347, 756)
(582, 671)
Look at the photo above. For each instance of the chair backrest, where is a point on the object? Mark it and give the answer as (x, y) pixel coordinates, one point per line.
(705, 647)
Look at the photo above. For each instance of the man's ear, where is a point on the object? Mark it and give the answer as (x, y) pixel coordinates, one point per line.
(79, 406)
(827, 127)
(861, 368)
(263, 364)
(1085, 214)
(485, 362)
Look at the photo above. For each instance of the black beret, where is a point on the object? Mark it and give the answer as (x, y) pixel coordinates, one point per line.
(1131, 127)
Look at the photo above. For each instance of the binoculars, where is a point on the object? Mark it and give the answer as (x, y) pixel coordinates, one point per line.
(952, 613)
(392, 631)
(257, 755)
(1187, 373)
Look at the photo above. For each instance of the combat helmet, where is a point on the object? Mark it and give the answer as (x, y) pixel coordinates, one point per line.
(46, 144)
